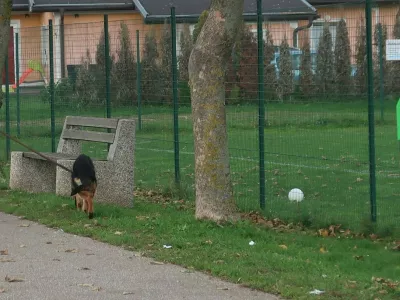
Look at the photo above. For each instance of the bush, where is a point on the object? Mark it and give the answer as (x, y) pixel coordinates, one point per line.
(86, 85)
(361, 60)
(325, 68)
(306, 84)
(285, 79)
(63, 93)
(150, 81)
(342, 59)
(124, 71)
(166, 65)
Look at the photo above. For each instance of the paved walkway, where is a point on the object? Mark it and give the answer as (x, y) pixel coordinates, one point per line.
(56, 266)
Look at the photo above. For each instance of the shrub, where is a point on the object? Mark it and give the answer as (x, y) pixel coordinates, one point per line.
(150, 80)
(186, 45)
(306, 84)
(124, 71)
(361, 60)
(285, 79)
(342, 59)
(63, 93)
(166, 65)
(325, 69)
(85, 86)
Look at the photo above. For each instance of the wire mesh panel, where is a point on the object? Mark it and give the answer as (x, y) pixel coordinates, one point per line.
(315, 120)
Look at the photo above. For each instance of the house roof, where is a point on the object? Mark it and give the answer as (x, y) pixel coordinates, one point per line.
(326, 2)
(155, 11)
(186, 10)
(71, 5)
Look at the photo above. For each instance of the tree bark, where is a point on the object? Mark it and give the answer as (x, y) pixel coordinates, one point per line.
(5, 16)
(207, 68)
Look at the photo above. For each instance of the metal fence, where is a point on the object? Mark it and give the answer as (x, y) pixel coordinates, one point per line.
(307, 122)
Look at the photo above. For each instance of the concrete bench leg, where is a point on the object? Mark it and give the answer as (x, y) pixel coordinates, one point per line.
(63, 178)
(113, 187)
(32, 175)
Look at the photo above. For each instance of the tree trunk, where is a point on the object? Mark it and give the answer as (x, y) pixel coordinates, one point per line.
(207, 66)
(5, 16)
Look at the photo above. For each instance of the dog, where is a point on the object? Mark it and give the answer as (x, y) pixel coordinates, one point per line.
(84, 184)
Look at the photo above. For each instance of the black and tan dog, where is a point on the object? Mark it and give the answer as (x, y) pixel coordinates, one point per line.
(84, 184)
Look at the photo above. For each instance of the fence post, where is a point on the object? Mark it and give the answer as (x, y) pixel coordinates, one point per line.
(371, 119)
(51, 58)
(261, 112)
(381, 71)
(139, 79)
(8, 145)
(17, 83)
(107, 56)
(175, 94)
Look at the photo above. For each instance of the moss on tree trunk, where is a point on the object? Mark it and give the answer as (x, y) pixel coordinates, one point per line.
(207, 68)
(5, 15)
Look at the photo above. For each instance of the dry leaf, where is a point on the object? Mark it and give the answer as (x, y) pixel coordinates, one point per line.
(323, 232)
(87, 225)
(2, 291)
(48, 243)
(84, 269)
(92, 286)
(208, 242)
(6, 260)
(284, 247)
(127, 293)
(22, 246)
(64, 205)
(118, 233)
(71, 250)
(15, 279)
(323, 250)
(223, 288)
(156, 263)
(359, 257)
(373, 236)
(4, 252)
(24, 225)
(56, 259)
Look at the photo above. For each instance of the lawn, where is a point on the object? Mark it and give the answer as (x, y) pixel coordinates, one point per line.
(321, 148)
(287, 261)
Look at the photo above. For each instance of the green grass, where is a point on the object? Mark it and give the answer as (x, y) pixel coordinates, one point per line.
(343, 269)
(321, 148)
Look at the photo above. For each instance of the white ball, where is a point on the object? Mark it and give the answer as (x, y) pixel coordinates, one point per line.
(296, 195)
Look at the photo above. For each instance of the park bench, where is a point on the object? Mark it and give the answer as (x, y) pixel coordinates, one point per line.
(32, 173)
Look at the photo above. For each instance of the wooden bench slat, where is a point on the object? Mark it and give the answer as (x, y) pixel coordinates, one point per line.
(54, 156)
(92, 136)
(92, 122)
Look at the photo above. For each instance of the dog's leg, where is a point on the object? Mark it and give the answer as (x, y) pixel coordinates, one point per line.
(84, 205)
(90, 207)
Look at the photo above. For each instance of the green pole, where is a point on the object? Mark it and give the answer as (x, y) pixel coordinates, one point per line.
(381, 72)
(17, 75)
(52, 117)
(107, 56)
(398, 121)
(175, 94)
(371, 120)
(8, 145)
(261, 105)
(139, 79)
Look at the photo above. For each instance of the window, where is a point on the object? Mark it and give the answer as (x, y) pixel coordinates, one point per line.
(316, 32)
(45, 44)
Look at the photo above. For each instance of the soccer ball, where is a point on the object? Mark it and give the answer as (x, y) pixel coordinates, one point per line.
(296, 195)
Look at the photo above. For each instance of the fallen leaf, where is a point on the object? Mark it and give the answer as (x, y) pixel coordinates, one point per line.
(84, 269)
(24, 225)
(48, 243)
(127, 293)
(208, 242)
(87, 225)
(359, 257)
(223, 288)
(156, 263)
(284, 247)
(323, 232)
(323, 250)
(4, 252)
(118, 233)
(2, 291)
(22, 246)
(71, 250)
(56, 259)
(64, 205)
(373, 236)
(15, 279)
(92, 286)
(6, 260)
(396, 248)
